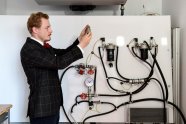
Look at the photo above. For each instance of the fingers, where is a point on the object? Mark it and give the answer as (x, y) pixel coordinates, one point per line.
(87, 29)
(89, 34)
(85, 36)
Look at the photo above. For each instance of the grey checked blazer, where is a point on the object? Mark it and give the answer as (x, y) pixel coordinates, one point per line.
(41, 68)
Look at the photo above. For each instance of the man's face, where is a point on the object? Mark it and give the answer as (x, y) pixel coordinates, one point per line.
(45, 31)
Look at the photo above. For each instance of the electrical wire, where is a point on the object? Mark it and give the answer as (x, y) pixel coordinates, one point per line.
(117, 70)
(85, 114)
(92, 53)
(73, 118)
(121, 81)
(155, 61)
(136, 101)
(106, 72)
(165, 97)
(114, 95)
(155, 99)
(127, 93)
(72, 66)
(89, 111)
(142, 89)
(152, 66)
(76, 99)
(114, 108)
(127, 88)
(62, 93)
(165, 114)
(138, 90)
(107, 78)
(88, 58)
(140, 58)
(95, 75)
(75, 104)
(118, 79)
(160, 71)
(117, 67)
(66, 114)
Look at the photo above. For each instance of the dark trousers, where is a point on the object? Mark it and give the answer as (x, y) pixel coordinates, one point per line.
(45, 120)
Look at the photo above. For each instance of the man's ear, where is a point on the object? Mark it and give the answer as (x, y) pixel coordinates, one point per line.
(35, 30)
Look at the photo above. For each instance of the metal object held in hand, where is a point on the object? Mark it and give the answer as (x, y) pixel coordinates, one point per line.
(87, 30)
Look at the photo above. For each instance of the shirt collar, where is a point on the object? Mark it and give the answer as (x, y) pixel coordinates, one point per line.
(40, 42)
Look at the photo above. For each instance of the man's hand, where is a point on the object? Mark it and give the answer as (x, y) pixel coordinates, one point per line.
(85, 36)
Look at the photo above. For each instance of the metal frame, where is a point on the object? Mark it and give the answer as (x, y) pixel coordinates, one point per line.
(176, 71)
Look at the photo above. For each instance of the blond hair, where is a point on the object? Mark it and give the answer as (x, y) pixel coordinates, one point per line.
(35, 20)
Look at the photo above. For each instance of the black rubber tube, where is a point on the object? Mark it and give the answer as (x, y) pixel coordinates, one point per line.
(112, 95)
(101, 113)
(95, 75)
(165, 114)
(117, 66)
(127, 93)
(155, 99)
(77, 104)
(105, 71)
(160, 71)
(117, 79)
(76, 100)
(140, 58)
(62, 93)
(117, 70)
(65, 72)
(134, 101)
(152, 66)
(107, 78)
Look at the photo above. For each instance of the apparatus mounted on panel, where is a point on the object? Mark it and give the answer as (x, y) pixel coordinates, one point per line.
(110, 49)
(143, 48)
(110, 53)
(139, 50)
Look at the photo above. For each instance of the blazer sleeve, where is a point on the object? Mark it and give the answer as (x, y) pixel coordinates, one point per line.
(37, 57)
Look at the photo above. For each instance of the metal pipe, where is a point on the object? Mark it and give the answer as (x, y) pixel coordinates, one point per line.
(176, 70)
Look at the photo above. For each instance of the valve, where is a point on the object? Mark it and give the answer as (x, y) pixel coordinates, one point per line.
(83, 96)
(144, 51)
(152, 43)
(90, 71)
(81, 69)
(110, 53)
(103, 42)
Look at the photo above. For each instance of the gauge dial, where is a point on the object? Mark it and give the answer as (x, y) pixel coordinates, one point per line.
(89, 82)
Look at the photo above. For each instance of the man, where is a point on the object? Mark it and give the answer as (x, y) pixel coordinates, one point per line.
(41, 63)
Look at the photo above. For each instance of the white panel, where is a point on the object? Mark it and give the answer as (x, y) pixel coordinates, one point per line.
(14, 88)
(80, 2)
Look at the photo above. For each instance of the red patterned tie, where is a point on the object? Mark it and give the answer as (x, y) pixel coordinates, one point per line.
(46, 45)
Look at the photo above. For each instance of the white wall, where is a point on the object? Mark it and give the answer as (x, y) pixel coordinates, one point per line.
(132, 7)
(177, 11)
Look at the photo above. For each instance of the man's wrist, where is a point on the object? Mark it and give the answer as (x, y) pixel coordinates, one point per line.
(80, 48)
